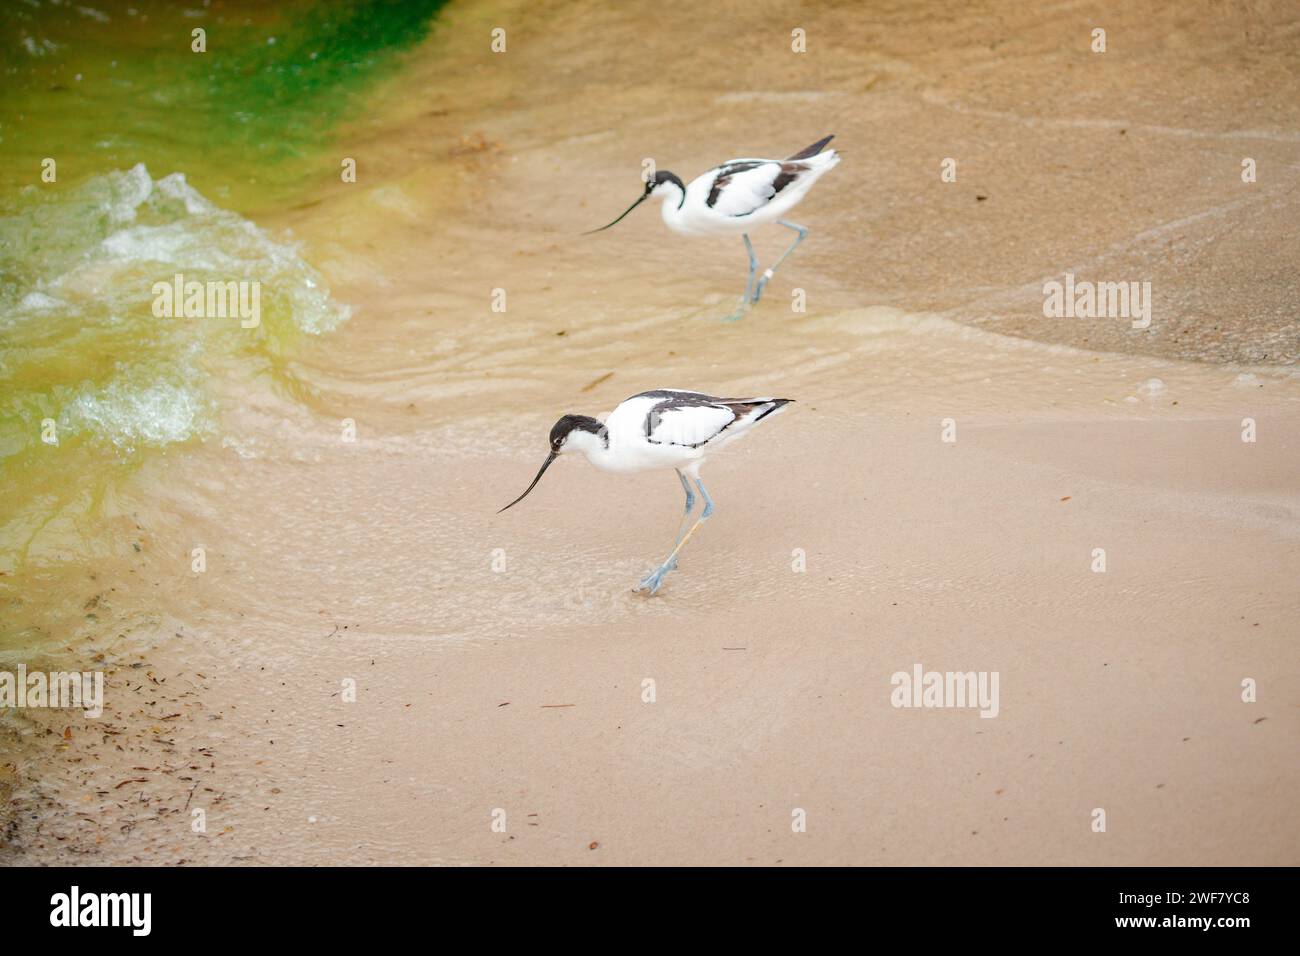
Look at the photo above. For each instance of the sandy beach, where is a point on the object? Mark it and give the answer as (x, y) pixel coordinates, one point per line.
(375, 667)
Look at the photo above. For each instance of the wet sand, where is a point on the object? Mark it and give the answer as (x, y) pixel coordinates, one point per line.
(499, 662)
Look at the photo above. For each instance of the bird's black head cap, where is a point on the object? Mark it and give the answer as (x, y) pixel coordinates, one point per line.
(663, 176)
(570, 423)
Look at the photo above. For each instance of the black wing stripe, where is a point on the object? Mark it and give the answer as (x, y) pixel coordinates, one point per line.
(669, 393)
(725, 173)
(789, 173)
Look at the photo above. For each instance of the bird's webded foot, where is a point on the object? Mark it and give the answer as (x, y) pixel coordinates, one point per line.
(739, 313)
(655, 578)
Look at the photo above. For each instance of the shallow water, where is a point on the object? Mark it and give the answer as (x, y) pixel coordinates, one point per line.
(139, 161)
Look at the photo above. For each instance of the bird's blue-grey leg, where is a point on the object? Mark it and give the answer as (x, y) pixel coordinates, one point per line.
(655, 578)
(690, 505)
(771, 270)
(749, 282)
(708, 502)
(681, 530)
(686, 515)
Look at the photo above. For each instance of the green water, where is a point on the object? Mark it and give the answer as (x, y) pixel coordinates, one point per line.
(99, 88)
(163, 159)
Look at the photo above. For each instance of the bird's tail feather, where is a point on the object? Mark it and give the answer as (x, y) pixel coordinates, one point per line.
(814, 149)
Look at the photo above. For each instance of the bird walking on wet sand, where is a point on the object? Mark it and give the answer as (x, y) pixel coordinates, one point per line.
(664, 428)
(737, 197)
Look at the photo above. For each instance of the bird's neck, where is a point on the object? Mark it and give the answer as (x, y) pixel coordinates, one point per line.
(672, 197)
(601, 457)
(594, 446)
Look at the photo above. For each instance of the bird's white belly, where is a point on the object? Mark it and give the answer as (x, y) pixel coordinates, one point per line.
(682, 222)
(632, 456)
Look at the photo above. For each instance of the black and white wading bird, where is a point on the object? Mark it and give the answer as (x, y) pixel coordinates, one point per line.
(665, 428)
(737, 197)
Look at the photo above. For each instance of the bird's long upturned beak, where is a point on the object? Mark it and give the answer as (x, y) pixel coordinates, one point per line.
(639, 201)
(546, 464)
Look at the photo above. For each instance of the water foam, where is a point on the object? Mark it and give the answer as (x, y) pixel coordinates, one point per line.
(82, 345)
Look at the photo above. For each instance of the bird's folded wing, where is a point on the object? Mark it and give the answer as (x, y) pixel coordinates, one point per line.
(742, 188)
(689, 424)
